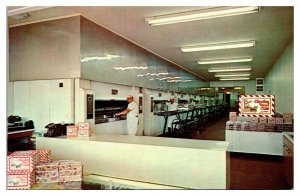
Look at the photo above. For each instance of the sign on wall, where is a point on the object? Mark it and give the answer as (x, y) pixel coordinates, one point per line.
(256, 105)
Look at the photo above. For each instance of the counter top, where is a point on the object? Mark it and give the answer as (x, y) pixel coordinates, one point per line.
(156, 141)
(289, 136)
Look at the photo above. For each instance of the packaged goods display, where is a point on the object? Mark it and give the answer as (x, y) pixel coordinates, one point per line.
(245, 126)
(252, 126)
(237, 126)
(278, 120)
(285, 127)
(20, 179)
(84, 125)
(84, 132)
(72, 131)
(263, 119)
(271, 120)
(254, 119)
(22, 161)
(232, 116)
(260, 127)
(269, 127)
(229, 125)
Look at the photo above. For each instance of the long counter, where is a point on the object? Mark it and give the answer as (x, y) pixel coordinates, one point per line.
(185, 163)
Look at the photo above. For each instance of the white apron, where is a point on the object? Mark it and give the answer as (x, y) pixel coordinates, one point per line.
(132, 119)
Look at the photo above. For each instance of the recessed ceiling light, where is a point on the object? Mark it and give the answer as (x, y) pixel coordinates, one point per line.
(229, 69)
(218, 46)
(201, 14)
(232, 75)
(217, 61)
(234, 79)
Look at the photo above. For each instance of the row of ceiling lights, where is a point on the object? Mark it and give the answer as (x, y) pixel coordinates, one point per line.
(208, 14)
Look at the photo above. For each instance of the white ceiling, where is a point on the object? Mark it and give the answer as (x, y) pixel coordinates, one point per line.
(272, 28)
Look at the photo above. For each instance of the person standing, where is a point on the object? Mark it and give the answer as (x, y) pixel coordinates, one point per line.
(172, 106)
(132, 116)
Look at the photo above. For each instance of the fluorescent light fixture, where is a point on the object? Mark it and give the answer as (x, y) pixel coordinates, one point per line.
(237, 88)
(130, 68)
(153, 74)
(232, 75)
(217, 61)
(218, 46)
(234, 79)
(201, 14)
(229, 69)
(100, 58)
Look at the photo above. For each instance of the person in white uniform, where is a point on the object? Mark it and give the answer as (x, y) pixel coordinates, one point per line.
(172, 106)
(132, 116)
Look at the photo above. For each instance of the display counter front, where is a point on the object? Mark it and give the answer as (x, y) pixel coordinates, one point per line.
(185, 163)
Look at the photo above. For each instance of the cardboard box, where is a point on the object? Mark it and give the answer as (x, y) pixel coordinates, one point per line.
(47, 172)
(72, 131)
(263, 120)
(44, 155)
(270, 127)
(22, 161)
(260, 127)
(83, 125)
(288, 118)
(232, 116)
(20, 179)
(279, 120)
(252, 126)
(271, 120)
(84, 132)
(245, 126)
(229, 125)
(254, 119)
(237, 125)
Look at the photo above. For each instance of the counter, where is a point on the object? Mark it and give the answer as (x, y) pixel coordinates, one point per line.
(186, 163)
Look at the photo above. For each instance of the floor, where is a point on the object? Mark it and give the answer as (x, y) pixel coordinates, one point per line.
(248, 171)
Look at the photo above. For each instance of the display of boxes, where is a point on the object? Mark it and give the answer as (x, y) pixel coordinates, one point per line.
(84, 132)
(245, 126)
(252, 126)
(278, 120)
(263, 119)
(285, 127)
(20, 179)
(260, 127)
(22, 161)
(44, 156)
(232, 116)
(269, 127)
(237, 125)
(288, 118)
(229, 125)
(72, 131)
(254, 119)
(271, 120)
(59, 171)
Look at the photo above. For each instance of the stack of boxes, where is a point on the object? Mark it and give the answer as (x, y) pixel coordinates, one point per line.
(25, 168)
(81, 130)
(261, 124)
(21, 169)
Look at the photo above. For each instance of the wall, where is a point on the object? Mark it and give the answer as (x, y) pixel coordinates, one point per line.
(102, 51)
(44, 102)
(45, 50)
(279, 81)
(10, 99)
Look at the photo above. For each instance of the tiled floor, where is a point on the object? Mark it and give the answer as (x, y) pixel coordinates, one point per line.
(248, 171)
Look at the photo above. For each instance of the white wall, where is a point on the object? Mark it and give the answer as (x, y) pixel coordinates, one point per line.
(279, 81)
(44, 102)
(10, 99)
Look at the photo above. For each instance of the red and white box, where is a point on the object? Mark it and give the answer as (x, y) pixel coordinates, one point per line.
(263, 120)
(44, 156)
(270, 127)
(271, 120)
(47, 172)
(83, 125)
(245, 126)
(229, 125)
(288, 118)
(84, 132)
(20, 179)
(260, 127)
(22, 161)
(72, 131)
(237, 125)
(70, 171)
(232, 116)
(252, 126)
(278, 120)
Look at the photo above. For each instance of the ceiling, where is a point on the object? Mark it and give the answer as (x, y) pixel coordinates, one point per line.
(272, 28)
